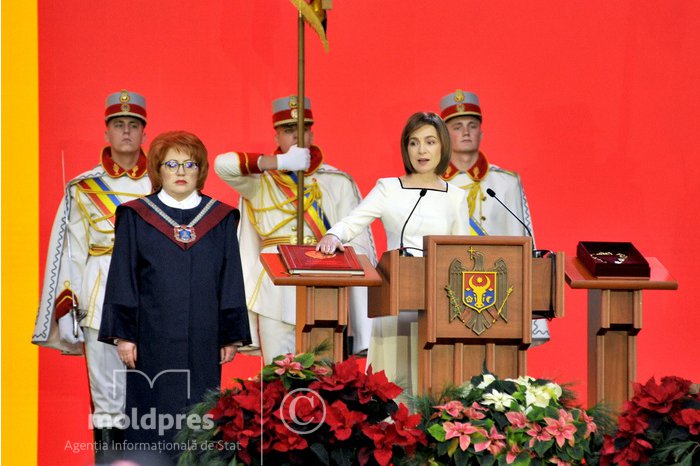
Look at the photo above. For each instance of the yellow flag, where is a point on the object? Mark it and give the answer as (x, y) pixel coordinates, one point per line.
(310, 16)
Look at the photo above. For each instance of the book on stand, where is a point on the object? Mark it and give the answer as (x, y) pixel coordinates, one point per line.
(305, 260)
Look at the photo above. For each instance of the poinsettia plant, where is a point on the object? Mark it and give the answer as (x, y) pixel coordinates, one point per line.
(660, 425)
(301, 410)
(490, 421)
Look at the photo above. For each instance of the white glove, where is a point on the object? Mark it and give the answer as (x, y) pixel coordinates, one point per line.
(296, 158)
(65, 330)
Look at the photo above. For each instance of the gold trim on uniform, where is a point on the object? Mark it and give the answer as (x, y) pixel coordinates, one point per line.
(92, 302)
(459, 96)
(126, 107)
(100, 250)
(124, 96)
(291, 239)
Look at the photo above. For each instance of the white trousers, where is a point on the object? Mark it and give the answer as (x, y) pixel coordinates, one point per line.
(107, 375)
(275, 337)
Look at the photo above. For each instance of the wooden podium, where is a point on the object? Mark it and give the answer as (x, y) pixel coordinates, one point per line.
(322, 302)
(614, 320)
(477, 295)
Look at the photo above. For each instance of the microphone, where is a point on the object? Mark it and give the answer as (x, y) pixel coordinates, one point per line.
(402, 249)
(535, 252)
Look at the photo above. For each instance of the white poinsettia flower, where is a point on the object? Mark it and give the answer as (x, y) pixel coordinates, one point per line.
(500, 401)
(465, 390)
(537, 396)
(554, 390)
(523, 380)
(488, 380)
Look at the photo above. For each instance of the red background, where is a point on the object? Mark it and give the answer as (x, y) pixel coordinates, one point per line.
(594, 103)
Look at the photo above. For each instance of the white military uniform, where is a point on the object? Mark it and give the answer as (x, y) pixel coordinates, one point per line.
(77, 275)
(488, 217)
(268, 218)
(394, 344)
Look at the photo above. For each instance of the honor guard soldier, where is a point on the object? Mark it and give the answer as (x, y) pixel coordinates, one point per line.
(78, 258)
(268, 189)
(470, 170)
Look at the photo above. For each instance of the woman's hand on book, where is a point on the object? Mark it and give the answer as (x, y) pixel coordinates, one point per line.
(329, 243)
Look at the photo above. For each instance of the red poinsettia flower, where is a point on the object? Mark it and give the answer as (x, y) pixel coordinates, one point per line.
(673, 383)
(660, 398)
(377, 385)
(608, 450)
(302, 409)
(634, 454)
(406, 428)
(629, 425)
(341, 420)
(344, 374)
(286, 439)
(226, 406)
(689, 418)
(401, 433)
(257, 401)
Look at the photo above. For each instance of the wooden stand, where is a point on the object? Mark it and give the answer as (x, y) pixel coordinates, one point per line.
(322, 302)
(449, 351)
(614, 320)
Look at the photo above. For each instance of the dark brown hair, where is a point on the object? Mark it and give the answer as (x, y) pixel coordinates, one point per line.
(185, 142)
(416, 121)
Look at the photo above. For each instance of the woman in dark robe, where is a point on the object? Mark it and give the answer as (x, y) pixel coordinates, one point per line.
(174, 304)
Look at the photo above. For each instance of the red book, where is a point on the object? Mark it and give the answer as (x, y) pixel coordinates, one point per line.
(305, 260)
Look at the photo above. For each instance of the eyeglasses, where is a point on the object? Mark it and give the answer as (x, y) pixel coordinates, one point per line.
(173, 166)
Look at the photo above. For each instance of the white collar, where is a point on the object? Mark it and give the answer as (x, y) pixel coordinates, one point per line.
(189, 202)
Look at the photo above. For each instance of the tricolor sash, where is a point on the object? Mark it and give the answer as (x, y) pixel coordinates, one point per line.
(313, 214)
(101, 196)
(475, 228)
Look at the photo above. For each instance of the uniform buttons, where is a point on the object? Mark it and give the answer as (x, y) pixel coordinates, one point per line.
(483, 218)
(483, 198)
(294, 228)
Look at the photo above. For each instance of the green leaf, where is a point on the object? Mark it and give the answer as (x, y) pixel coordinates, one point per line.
(454, 443)
(542, 447)
(462, 457)
(320, 452)
(438, 432)
(306, 359)
(342, 457)
(523, 459)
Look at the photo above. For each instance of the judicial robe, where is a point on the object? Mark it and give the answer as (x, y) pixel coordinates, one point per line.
(179, 302)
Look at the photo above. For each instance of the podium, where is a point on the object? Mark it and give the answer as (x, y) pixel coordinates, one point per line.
(476, 296)
(322, 302)
(614, 320)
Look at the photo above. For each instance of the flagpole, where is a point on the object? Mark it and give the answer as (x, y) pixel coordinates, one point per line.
(300, 127)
